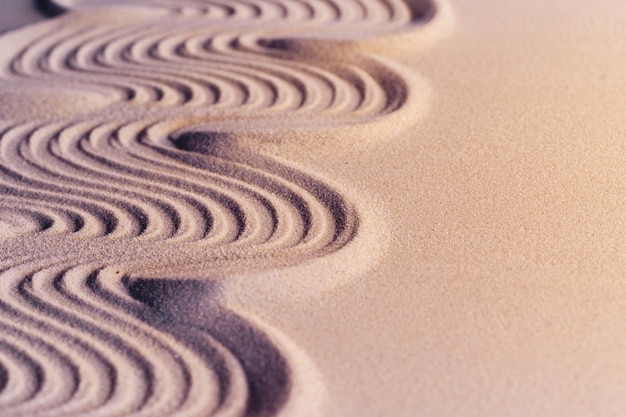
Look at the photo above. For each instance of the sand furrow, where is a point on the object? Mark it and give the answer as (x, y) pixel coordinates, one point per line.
(121, 360)
(154, 162)
(262, 81)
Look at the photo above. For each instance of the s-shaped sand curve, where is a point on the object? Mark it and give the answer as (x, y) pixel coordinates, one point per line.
(119, 149)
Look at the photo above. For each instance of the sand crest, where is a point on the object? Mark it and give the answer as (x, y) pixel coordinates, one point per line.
(131, 152)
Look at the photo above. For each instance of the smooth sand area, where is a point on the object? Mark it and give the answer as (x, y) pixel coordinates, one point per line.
(16, 13)
(398, 208)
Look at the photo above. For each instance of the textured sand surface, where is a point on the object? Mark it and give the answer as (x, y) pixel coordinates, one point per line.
(133, 186)
(312, 208)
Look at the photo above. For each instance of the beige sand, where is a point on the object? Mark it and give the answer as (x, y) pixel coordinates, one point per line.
(313, 209)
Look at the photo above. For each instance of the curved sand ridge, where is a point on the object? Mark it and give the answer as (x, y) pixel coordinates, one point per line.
(151, 177)
(217, 68)
(72, 346)
(85, 181)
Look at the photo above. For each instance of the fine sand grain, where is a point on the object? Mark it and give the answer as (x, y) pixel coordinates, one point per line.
(134, 187)
(310, 208)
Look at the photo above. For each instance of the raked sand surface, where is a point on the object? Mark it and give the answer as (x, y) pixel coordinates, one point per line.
(313, 208)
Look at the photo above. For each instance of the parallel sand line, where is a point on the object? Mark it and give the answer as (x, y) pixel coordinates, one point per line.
(224, 67)
(155, 172)
(95, 357)
(131, 199)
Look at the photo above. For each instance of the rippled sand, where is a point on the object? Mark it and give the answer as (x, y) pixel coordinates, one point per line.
(312, 208)
(133, 187)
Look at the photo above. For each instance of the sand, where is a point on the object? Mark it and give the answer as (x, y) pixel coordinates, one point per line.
(312, 208)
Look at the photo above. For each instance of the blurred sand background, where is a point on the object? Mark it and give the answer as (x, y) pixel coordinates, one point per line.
(15, 13)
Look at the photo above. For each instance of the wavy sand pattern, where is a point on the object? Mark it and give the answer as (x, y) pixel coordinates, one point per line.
(121, 141)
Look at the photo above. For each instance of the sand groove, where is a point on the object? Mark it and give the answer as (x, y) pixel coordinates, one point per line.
(147, 168)
(93, 353)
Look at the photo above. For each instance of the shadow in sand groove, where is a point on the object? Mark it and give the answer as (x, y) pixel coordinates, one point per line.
(49, 8)
(140, 146)
(187, 309)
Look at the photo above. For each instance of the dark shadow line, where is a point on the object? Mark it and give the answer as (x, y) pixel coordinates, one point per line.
(189, 308)
(49, 8)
